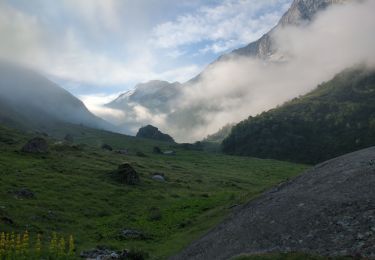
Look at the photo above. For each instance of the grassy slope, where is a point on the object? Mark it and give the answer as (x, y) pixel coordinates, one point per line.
(75, 195)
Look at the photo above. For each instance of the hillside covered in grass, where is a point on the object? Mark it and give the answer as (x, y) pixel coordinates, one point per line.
(336, 118)
(73, 192)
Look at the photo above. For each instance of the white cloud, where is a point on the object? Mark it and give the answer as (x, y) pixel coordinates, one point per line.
(230, 24)
(231, 90)
(95, 103)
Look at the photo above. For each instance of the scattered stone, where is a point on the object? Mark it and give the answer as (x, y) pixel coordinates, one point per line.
(132, 234)
(157, 150)
(126, 174)
(101, 253)
(158, 178)
(169, 153)
(152, 132)
(141, 154)
(154, 214)
(6, 220)
(36, 145)
(69, 138)
(123, 151)
(107, 147)
(23, 193)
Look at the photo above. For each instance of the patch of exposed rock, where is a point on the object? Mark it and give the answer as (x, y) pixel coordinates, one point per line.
(328, 210)
(152, 132)
(132, 234)
(104, 254)
(22, 193)
(126, 174)
(36, 145)
(106, 147)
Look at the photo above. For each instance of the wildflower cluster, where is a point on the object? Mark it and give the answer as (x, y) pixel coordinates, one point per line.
(19, 247)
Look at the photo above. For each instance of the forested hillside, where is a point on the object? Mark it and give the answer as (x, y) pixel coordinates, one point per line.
(336, 118)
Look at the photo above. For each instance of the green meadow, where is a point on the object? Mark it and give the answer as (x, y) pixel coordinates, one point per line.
(74, 193)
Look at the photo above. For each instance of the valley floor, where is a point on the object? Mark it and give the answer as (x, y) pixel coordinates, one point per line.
(74, 194)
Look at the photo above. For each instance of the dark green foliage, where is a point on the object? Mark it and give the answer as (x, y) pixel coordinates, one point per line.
(220, 135)
(336, 118)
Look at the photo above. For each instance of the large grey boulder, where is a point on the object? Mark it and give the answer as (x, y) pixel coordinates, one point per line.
(328, 210)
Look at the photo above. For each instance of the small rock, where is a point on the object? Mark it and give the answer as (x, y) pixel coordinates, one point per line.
(132, 234)
(141, 154)
(69, 138)
(107, 147)
(104, 254)
(36, 145)
(157, 150)
(123, 151)
(126, 174)
(23, 193)
(7, 220)
(169, 153)
(158, 178)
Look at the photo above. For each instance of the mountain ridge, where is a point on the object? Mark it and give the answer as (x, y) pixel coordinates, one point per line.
(29, 99)
(300, 12)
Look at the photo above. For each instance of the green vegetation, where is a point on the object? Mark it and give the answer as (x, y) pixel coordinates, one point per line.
(73, 192)
(336, 118)
(288, 256)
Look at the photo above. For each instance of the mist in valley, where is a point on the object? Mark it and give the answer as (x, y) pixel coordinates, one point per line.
(231, 90)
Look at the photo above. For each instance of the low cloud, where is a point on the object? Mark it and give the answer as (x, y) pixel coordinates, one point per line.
(230, 91)
(95, 103)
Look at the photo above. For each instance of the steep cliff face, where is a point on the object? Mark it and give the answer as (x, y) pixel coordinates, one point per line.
(300, 12)
(305, 10)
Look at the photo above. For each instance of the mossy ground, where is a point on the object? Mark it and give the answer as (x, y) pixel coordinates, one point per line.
(75, 195)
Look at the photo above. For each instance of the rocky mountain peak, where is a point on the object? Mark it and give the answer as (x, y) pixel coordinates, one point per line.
(300, 12)
(304, 10)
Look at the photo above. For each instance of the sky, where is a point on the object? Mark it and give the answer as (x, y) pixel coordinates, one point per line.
(97, 49)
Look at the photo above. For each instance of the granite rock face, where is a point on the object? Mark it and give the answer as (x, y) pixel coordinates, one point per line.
(300, 12)
(328, 210)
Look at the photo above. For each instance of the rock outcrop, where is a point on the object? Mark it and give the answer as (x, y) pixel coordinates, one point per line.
(125, 174)
(152, 132)
(329, 210)
(36, 145)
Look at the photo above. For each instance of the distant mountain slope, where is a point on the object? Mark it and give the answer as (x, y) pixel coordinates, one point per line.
(336, 118)
(300, 12)
(154, 95)
(156, 98)
(327, 211)
(28, 100)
